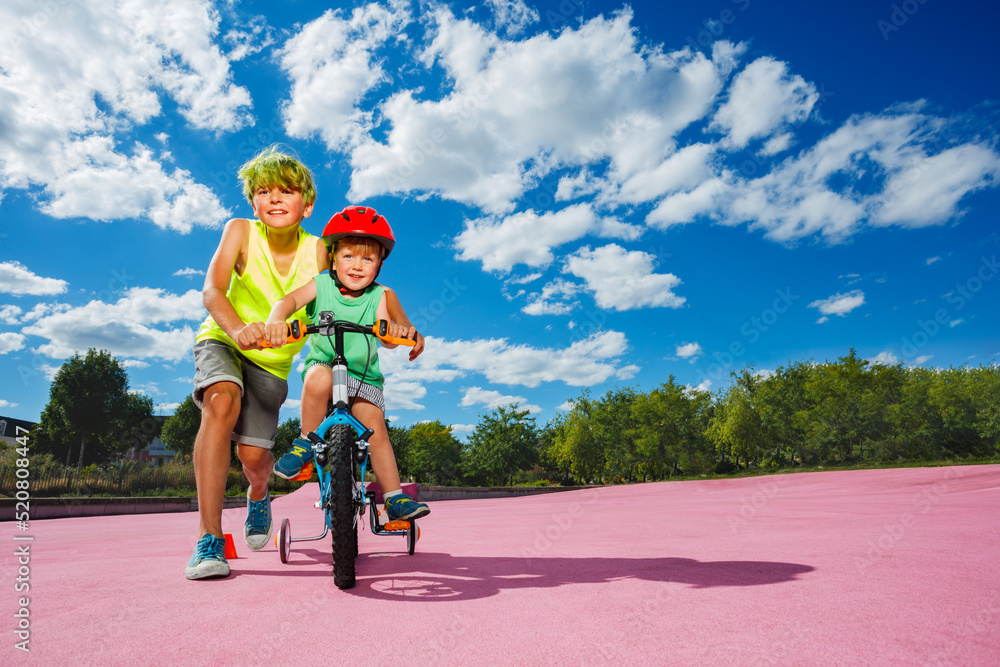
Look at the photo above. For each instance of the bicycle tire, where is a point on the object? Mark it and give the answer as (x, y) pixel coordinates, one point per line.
(342, 510)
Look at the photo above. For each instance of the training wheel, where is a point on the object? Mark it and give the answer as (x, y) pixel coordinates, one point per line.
(283, 540)
(412, 535)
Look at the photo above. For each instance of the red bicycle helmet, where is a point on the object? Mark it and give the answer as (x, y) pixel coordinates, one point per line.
(361, 221)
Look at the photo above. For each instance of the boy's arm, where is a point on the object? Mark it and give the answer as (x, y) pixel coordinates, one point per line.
(322, 256)
(230, 256)
(394, 330)
(276, 329)
(396, 314)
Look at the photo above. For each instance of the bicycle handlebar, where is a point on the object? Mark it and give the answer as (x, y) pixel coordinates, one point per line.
(299, 329)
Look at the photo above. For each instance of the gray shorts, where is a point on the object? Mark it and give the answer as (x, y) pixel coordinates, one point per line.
(261, 392)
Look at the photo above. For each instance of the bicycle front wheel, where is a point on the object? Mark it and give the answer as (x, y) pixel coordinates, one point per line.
(343, 511)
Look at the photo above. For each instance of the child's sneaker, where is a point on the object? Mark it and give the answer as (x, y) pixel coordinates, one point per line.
(257, 530)
(208, 559)
(290, 465)
(402, 506)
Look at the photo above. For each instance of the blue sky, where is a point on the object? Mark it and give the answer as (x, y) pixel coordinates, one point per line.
(585, 194)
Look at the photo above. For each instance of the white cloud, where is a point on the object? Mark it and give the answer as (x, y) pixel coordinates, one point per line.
(99, 183)
(9, 314)
(513, 16)
(623, 280)
(689, 351)
(797, 198)
(523, 238)
(839, 304)
(58, 62)
(472, 396)
(704, 386)
(11, 342)
(332, 66)
(955, 323)
(403, 395)
(582, 364)
(923, 359)
(684, 207)
(189, 272)
(762, 98)
(124, 328)
(925, 190)
(885, 358)
(777, 144)
(554, 299)
(17, 279)
(932, 260)
(506, 122)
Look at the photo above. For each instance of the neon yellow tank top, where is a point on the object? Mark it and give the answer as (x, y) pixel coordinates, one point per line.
(253, 293)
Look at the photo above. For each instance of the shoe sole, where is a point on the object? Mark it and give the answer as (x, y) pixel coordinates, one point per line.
(288, 477)
(417, 514)
(264, 539)
(206, 570)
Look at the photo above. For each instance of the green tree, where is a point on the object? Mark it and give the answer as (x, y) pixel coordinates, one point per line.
(614, 431)
(850, 409)
(90, 412)
(503, 443)
(434, 454)
(736, 427)
(181, 428)
(574, 448)
(671, 430)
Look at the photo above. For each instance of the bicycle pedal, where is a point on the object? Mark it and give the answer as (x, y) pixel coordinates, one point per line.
(396, 526)
(304, 475)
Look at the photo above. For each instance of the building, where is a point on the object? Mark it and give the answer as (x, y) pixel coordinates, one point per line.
(9, 430)
(156, 453)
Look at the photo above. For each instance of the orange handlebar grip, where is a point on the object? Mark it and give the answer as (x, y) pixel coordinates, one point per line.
(382, 326)
(296, 332)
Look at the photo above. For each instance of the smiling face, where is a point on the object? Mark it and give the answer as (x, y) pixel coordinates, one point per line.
(280, 206)
(357, 263)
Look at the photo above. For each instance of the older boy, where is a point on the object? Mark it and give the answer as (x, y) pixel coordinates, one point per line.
(238, 385)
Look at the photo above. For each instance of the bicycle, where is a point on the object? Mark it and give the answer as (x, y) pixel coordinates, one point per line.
(340, 454)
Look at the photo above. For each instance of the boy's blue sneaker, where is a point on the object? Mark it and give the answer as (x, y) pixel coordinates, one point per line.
(208, 559)
(257, 530)
(290, 465)
(403, 506)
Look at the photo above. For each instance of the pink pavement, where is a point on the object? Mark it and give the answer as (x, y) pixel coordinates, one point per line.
(885, 567)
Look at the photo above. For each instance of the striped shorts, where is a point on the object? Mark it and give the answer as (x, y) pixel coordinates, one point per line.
(357, 388)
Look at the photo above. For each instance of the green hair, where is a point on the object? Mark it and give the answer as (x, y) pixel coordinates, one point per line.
(273, 167)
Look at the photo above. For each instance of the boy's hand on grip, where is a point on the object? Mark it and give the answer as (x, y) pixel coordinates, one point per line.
(250, 336)
(395, 334)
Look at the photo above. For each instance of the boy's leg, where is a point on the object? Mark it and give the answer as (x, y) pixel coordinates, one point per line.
(257, 464)
(220, 411)
(398, 505)
(317, 385)
(379, 448)
(263, 395)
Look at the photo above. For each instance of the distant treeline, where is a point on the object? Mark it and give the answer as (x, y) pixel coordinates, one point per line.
(806, 414)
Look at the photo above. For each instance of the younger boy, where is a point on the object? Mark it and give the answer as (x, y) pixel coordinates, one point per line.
(360, 240)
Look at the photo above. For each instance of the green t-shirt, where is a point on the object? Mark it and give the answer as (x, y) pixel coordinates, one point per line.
(360, 350)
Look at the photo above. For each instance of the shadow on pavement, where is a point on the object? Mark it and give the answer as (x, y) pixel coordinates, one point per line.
(437, 576)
